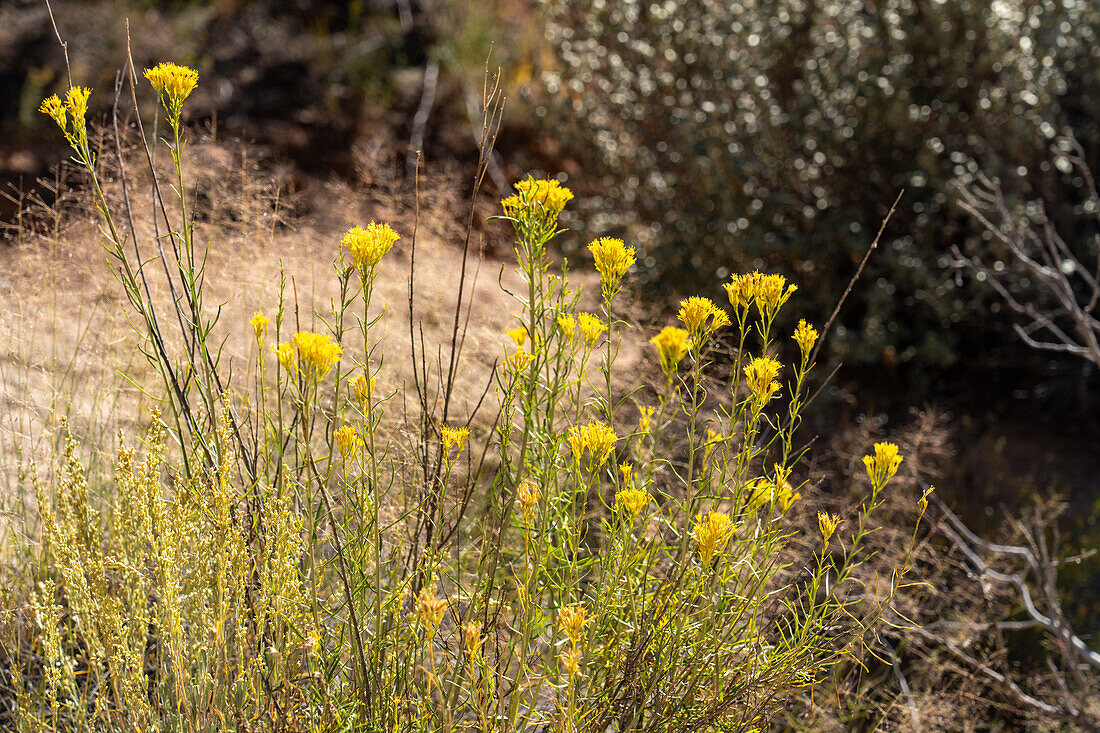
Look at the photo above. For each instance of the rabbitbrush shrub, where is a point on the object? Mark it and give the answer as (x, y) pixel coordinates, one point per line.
(291, 554)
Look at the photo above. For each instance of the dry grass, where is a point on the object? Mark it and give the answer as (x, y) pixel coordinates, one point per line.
(65, 343)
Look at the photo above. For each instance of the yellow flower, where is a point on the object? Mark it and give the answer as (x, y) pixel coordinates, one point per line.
(454, 438)
(591, 327)
(695, 312)
(760, 375)
(519, 360)
(772, 292)
(883, 464)
(527, 494)
(627, 470)
(785, 496)
(573, 619)
(518, 335)
(55, 108)
(316, 354)
(805, 336)
(632, 501)
(827, 523)
(76, 101)
(759, 493)
(174, 84)
(367, 246)
(645, 420)
(711, 533)
(285, 353)
(571, 660)
(543, 200)
(471, 634)
(568, 324)
(259, 326)
(922, 502)
(596, 438)
(741, 289)
(348, 440)
(364, 388)
(713, 439)
(430, 609)
(613, 259)
(672, 347)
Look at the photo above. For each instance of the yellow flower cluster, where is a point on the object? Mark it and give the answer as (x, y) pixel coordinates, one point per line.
(568, 324)
(454, 439)
(527, 494)
(711, 533)
(701, 318)
(348, 441)
(883, 464)
(645, 420)
(573, 619)
(75, 107)
(259, 324)
(430, 609)
(769, 292)
(518, 335)
(761, 375)
(367, 246)
(364, 388)
(520, 360)
(591, 327)
(316, 353)
(632, 501)
(174, 83)
(471, 635)
(595, 438)
(613, 259)
(805, 336)
(672, 347)
(827, 523)
(542, 199)
(571, 660)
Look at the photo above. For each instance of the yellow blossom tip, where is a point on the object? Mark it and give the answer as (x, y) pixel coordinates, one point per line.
(368, 245)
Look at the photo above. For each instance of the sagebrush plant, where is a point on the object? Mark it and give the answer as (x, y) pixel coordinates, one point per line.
(276, 560)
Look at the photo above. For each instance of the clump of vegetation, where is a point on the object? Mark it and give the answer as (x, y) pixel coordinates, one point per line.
(602, 551)
(752, 134)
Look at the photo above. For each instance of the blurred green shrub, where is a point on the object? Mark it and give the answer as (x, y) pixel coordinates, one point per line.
(776, 133)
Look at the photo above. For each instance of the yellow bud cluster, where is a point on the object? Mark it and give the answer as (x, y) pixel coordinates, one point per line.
(527, 494)
(454, 439)
(259, 323)
(591, 327)
(769, 292)
(701, 318)
(348, 441)
(827, 523)
(568, 324)
(430, 609)
(317, 354)
(543, 200)
(518, 335)
(672, 347)
(632, 501)
(761, 375)
(711, 533)
(645, 420)
(364, 388)
(805, 336)
(595, 438)
(368, 246)
(520, 360)
(613, 259)
(174, 83)
(573, 619)
(883, 464)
